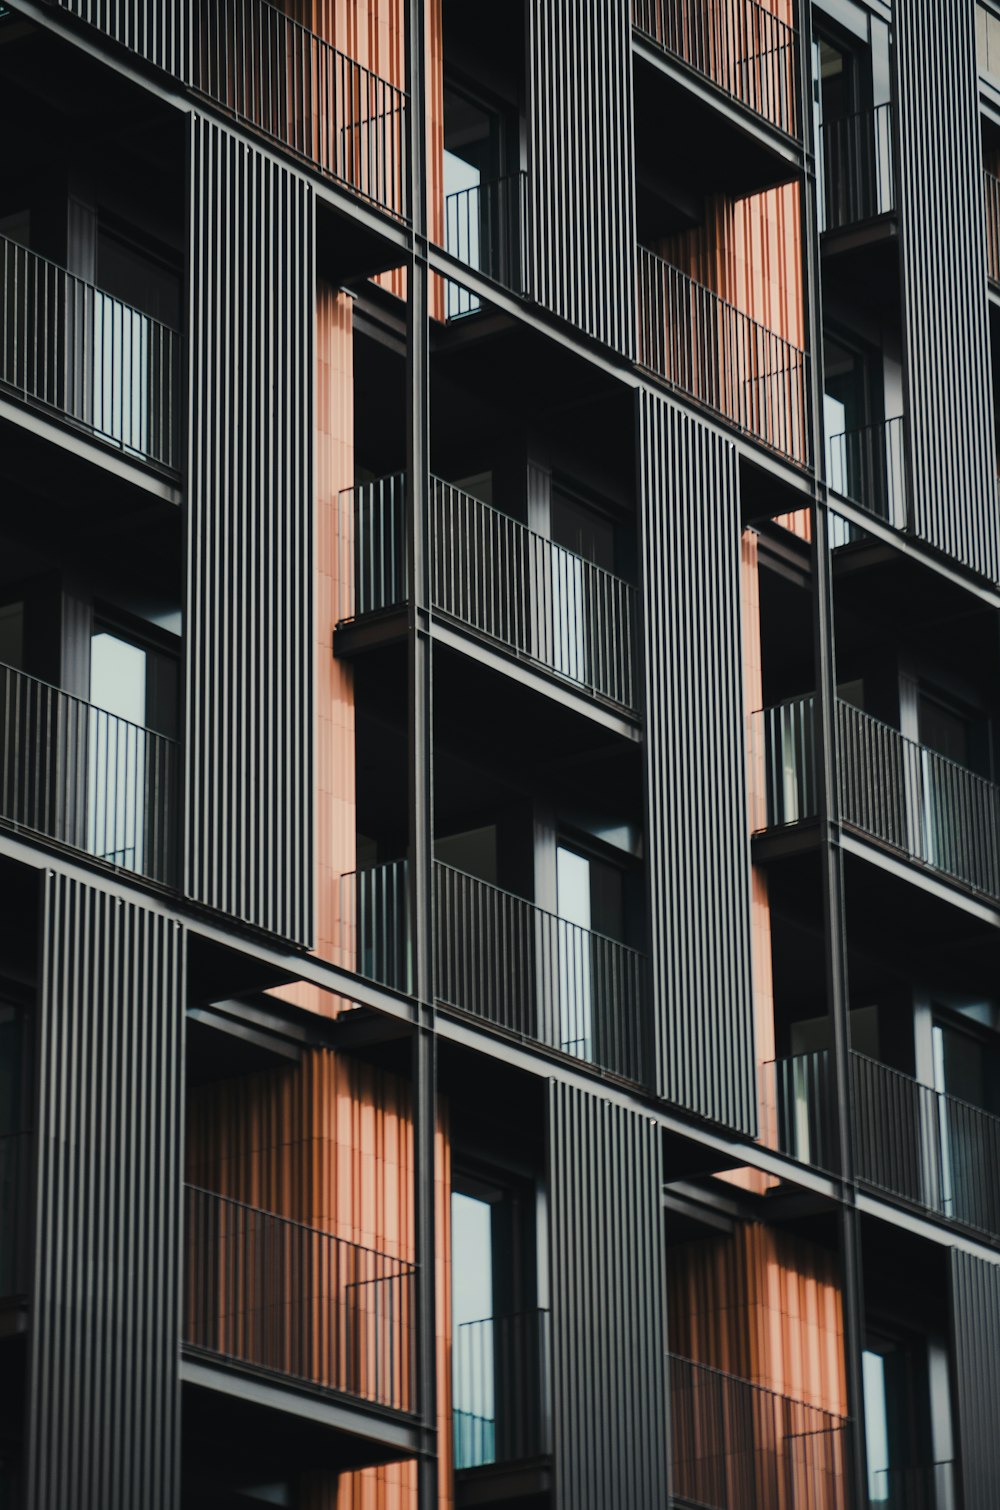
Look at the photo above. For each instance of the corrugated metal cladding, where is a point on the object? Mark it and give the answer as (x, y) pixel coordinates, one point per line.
(157, 31)
(943, 250)
(975, 1311)
(608, 1315)
(581, 174)
(104, 1406)
(249, 610)
(699, 847)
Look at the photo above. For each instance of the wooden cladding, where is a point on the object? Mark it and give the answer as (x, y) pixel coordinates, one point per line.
(104, 1407)
(946, 334)
(581, 171)
(249, 800)
(975, 1325)
(699, 848)
(608, 1328)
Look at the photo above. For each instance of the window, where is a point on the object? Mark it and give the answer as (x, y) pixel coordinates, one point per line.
(589, 902)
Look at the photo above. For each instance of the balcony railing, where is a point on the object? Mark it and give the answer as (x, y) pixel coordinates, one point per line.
(86, 778)
(71, 349)
(868, 466)
(698, 343)
(992, 190)
(280, 78)
(374, 913)
(857, 168)
(500, 1410)
(737, 1446)
(783, 764)
(291, 1300)
(909, 1140)
(928, 1486)
(486, 227)
(513, 964)
(740, 45)
(15, 1151)
(535, 597)
(488, 571)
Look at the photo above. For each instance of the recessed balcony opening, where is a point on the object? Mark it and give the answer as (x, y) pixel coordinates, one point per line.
(92, 229)
(853, 118)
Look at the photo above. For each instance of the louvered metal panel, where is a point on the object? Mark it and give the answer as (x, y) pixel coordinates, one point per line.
(699, 850)
(608, 1325)
(158, 30)
(581, 175)
(104, 1408)
(944, 283)
(975, 1313)
(249, 607)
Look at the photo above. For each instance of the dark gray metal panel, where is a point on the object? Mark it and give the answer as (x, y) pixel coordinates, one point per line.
(608, 1316)
(975, 1312)
(943, 252)
(249, 637)
(158, 30)
(104, 1407)
(698, 831)
(582, 177)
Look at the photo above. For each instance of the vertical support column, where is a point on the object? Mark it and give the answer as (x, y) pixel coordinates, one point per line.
(419, 749)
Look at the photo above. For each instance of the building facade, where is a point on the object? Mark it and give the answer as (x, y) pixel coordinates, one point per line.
(499, 712)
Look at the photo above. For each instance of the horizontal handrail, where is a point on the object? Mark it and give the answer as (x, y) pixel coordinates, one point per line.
(991, 185)
(705, 346)
(75, 773)
(500, 1389)
(486, 227)
(511, 963)
(857, 168)
(15, 1152)
(868, 466)
(739, 45)
(68, 347)
(736, 1445)
(275, 75)
(291, 1299)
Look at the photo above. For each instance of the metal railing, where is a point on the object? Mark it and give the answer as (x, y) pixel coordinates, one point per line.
(500, 1411)
(868, 466)
(927, 1486)
(86, 778)
(486, 227)
(535, 597)
(375, 924)
(857, 168)
(68, 347)
(992, 191)
(277, 76)
(371, 544)
(783, 764)
(15, 1151)
(287, 1298)
(521, 968)
(740, 45)
(737, 1446)
(698, 343)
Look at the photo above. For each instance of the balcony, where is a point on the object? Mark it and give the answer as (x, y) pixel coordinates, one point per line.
(907, 798)
(500, 1407)
(705, 347)
(486, 227)
(910, 1141)
(74, 773)
(737, 1446)
(514, 965)
(275, 1295)
(493, 575)
(737, 45)
(857, 168)
(275, 75)
(992, 190)
(15, 1152)
(868, 467)
(73, 351)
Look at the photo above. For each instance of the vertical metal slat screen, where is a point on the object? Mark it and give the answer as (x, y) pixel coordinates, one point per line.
(249, 637)
(975, 1319)
(104, 1406)
(607, 1318)
(699, 848)
(158, 32)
